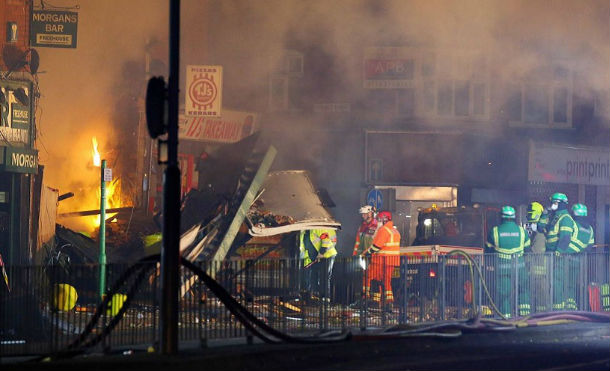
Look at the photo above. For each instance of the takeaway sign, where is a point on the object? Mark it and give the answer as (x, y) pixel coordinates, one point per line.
(230, 128)
(54, 29)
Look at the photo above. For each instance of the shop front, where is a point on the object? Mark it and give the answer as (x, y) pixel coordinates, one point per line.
(582, 173)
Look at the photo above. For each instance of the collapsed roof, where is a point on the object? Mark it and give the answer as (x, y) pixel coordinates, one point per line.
(239, 199)
(288, 202)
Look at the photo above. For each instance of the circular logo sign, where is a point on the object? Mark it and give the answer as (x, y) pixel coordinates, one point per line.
(203, 91)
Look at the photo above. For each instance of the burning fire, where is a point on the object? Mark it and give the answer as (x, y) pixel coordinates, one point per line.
(84, 181)
(97, 162)
(113, 200)
(113, 189)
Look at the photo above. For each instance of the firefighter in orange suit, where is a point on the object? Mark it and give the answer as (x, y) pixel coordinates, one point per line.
(385, 256)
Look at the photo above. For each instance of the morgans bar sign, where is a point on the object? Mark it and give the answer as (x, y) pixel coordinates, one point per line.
(20, 160)
(54, 29)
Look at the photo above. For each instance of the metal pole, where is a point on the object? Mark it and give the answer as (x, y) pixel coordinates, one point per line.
(170, 254)
(102, 233)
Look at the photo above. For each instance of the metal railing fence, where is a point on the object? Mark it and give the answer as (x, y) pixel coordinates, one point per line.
(48, 308)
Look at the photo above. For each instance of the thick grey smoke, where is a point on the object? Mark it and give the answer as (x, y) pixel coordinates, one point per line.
(79, 86)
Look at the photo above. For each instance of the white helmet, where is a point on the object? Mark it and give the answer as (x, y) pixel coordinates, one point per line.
(366, 209)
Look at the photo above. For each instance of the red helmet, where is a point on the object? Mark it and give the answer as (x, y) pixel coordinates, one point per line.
(385, 214)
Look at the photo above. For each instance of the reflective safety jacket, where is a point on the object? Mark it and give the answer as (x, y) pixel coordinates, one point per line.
(544, 221)
(387, 240)
(507, 240)
(316, 242)
(582, 237)
(561, 229)
(364, 237)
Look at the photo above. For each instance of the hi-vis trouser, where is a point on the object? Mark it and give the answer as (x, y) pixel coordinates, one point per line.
(539, 281)
(605, 294)
(508, 267)
(566, 280)
(381, 269)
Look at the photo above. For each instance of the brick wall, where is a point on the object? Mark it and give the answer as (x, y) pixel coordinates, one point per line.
(17, 11)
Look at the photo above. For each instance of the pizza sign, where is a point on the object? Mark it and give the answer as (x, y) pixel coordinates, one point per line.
(203, 91)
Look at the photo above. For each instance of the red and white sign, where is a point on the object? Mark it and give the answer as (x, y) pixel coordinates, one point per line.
(203, 91)
(230, 128)
(563, 164)
(388, 68)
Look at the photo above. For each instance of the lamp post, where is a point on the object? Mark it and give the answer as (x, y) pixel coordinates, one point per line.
(102, 233)
(170, 254)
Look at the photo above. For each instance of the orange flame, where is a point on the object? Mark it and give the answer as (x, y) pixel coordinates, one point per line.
(113, 200)
(97, 162)
(113, 189)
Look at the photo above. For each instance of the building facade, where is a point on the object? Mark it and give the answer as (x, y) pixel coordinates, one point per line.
(18, 157)
(435, 123)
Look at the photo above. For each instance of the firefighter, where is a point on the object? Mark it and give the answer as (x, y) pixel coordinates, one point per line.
(318, 251)
(385, 251)
(559, 235)
(508, 241)
(536, 260)
(581, 239)
(537, 238)
(364, 236)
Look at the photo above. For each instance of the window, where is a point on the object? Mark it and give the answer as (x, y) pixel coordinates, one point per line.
(560, 105)
(381, 101)
(285, 93)
(462, 98)
(444, 104)
(479, 95)
(454, 86)
(429, 96)
(543, 99)
(278, 93)
(290, 63)
(285, 90)
(406, 102)
(536, 104)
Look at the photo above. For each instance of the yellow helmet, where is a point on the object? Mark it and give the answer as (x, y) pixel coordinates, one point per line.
(534, 211)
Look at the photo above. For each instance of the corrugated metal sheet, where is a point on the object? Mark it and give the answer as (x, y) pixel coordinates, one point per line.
(290, 194)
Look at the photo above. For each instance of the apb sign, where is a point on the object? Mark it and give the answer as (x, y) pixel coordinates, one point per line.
(388, 68)
(54, 29)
